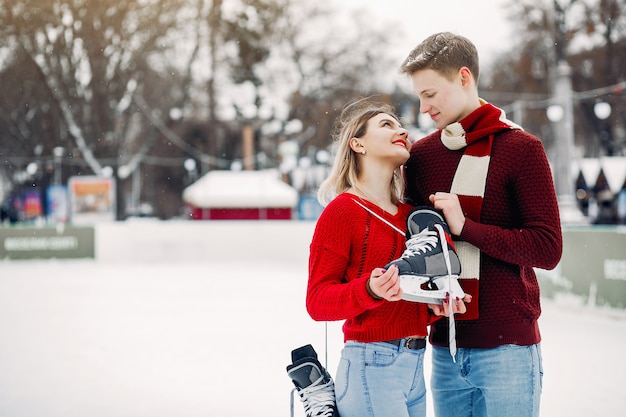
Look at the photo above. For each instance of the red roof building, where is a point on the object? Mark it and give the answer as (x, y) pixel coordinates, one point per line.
(241, 195)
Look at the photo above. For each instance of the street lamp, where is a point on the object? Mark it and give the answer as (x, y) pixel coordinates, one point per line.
(31, 169)
(57, 152)
(560, 113)
(190, 167)
(602, 110)
(107, 172)
(555, 113)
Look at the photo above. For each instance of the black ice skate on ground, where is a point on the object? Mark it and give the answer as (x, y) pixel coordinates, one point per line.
(313, 383)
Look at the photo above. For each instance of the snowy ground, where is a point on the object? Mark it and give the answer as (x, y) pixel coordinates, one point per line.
(198, 319)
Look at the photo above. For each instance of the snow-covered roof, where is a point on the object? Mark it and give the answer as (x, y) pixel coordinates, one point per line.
(241, 189)
(588, 167)
(614, 169)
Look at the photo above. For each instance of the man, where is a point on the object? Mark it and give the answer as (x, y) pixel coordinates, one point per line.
(493, 183)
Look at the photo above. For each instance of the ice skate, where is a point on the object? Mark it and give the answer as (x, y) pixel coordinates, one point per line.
(428, 271)
(313, 383)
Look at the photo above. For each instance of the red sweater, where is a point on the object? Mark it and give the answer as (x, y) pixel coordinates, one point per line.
(348, 243)
(519, 229)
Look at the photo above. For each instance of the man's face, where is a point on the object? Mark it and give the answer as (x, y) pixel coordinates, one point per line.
(444, 99)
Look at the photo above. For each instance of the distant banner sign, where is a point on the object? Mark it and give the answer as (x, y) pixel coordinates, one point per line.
(92, 199)
(32, 204)
(594, 256)
(615, 269)
(47, 242)
(56, 198)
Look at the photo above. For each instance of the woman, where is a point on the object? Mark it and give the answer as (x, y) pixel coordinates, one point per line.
(360, 230)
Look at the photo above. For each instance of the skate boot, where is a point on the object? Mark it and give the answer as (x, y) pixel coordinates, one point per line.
(313, 383)
(429, 268)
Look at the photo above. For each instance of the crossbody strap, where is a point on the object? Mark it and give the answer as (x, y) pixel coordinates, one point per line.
(381, 218)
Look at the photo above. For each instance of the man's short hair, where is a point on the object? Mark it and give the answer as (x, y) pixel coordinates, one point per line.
(444, 53)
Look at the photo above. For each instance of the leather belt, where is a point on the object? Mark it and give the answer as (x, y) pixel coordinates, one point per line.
(409, 343)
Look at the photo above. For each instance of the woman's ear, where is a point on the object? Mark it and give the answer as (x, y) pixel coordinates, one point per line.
(356, 145)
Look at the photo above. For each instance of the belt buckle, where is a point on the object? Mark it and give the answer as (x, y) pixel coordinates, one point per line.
(407, 342)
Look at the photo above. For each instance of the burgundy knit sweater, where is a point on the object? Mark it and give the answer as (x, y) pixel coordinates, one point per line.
(348, 243)
(519, 229)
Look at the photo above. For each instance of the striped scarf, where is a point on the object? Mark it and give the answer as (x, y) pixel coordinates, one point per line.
(475, 133)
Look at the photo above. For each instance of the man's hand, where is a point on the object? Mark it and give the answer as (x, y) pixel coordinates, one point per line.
(451, 207)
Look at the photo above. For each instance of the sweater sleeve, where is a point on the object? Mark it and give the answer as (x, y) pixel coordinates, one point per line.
(331, 295)
(536, 240)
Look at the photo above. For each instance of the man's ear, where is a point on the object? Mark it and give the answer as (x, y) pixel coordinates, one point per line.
(466, 76)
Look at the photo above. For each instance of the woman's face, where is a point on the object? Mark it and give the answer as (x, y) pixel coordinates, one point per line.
(385, 138)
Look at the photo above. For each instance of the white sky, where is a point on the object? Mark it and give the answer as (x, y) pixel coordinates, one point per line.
(483, 22)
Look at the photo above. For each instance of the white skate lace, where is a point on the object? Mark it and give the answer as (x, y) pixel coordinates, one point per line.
(422, 242)
(318, 400)
(451, 325)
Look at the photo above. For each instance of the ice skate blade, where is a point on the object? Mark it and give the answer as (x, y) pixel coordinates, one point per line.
(412, 289)
(424, 296)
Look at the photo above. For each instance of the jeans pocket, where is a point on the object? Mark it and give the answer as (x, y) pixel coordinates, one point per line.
(380, 356)
(341, 381)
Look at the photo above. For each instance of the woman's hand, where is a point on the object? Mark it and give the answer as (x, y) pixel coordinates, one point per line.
(458, 306)
(385, 283)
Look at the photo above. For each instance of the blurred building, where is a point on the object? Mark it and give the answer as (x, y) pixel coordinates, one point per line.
(241, 195)
(601, 188)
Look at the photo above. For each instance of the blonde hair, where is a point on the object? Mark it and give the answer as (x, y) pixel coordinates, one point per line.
(345, 170)
(444, 53)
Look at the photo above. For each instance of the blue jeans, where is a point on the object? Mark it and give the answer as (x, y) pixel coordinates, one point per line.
(380, 380)
(503, 381)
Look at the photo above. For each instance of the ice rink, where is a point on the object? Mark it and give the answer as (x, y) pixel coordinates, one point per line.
(192, 319)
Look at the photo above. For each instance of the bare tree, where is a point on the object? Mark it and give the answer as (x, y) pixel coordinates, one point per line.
(317, 72)
(87, 52)
(591, 36)
(88, 57)
(141, 86)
